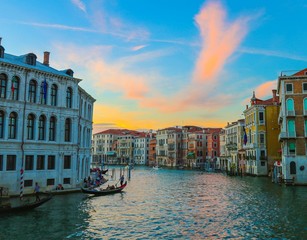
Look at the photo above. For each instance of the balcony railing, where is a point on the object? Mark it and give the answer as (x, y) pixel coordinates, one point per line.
(286, 135)
(290, 113)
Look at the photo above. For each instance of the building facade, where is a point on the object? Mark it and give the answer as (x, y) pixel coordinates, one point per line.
(44, 137)
(292, 90)
(260, 118)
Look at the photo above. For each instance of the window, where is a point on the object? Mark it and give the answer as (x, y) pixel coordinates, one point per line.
(67, 162)
(51, 162)
(304, 87)
(32, 91)
(261, 118)
(41, 127)
(40, 162)
(11, 163)
(15, 88)
(66, 180)
(291, 148)
(69, 97)
(50, 181)
(54, 92)
(52, 128)
(67, 130)
(305, 106)
(291, 128)
(290, 107)
(263, 163)
(1, 162)
(3, 85)
(289, 88)
(292, 167)
(261, 138)
(31, 59)
(1, 124)
(28, 183)
(43, 92)
(12, 125)
(30, 127)
(29, 164)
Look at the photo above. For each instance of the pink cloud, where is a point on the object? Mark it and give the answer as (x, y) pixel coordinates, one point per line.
(220, 39)
(265, 90)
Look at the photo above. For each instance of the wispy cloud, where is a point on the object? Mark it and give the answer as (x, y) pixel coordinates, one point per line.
(272, 53)
(59, 26)
(79, 4)
(139, 47)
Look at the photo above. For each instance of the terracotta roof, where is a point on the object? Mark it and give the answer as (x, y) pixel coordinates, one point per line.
(301, 73)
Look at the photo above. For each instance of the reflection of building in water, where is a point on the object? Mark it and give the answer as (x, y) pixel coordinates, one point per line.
(45, 124)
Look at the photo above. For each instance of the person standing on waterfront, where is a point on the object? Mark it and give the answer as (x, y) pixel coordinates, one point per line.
(36, 190)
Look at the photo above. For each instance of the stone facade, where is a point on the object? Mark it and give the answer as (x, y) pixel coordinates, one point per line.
(45, 125)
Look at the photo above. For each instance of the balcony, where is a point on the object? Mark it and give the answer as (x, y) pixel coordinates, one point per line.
(284, 135)
(290, 113)
(250, 145)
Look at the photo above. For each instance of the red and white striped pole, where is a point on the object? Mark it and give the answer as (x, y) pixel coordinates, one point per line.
(21, 183)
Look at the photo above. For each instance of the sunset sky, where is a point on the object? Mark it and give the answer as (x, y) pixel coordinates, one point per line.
(155, 64)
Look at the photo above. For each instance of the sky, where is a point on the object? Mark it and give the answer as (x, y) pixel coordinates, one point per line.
(162, 63)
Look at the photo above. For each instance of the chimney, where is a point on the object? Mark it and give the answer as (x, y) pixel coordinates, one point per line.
(46, 58)
(274, 95)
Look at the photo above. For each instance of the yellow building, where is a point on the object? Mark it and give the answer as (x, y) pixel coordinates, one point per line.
(261, 127)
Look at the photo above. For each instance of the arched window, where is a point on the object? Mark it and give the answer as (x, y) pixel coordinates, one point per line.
(30, 126)
(84, 109)
(32, 91)
(292, 167)
(12, 125)
(3, 85)
(290, 107)
(1, 124)
(52, 129)
(291, 128)
(15, 87)
(43, 93)
(54, 93)
(69, 97)
(89, 111)
(305, 106)
(67, 130)
(41, 127)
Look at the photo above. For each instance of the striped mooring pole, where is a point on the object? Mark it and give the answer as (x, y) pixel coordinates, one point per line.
(21, 183)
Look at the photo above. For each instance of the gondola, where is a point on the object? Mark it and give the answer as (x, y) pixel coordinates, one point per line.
(106, 191)
(104, 171)
(25, 206)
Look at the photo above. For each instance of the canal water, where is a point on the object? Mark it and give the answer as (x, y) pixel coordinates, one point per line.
(170, 204)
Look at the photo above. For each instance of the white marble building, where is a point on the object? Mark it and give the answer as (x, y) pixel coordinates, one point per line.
(45, 125)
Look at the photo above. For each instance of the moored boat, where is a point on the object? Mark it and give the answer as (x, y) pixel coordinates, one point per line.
(22, 205)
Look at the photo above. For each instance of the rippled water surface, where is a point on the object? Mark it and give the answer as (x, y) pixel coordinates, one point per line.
(170, 204)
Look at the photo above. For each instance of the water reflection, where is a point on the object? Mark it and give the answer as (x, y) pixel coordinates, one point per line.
(171, 204)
